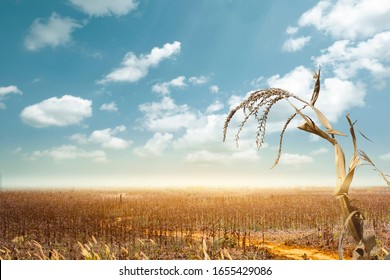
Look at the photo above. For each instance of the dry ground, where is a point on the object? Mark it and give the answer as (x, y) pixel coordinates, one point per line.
(182, 223)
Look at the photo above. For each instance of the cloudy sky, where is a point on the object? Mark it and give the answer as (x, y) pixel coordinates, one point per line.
(135, 93)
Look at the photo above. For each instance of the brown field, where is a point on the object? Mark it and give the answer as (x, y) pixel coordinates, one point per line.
(183, 223)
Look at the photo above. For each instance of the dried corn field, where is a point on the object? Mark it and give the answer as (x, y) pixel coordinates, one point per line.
(182, 223)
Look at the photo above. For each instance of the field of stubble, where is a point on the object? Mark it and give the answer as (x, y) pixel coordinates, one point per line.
(183, 223)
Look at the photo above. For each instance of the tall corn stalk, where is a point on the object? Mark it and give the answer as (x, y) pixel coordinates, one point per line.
(259, 104)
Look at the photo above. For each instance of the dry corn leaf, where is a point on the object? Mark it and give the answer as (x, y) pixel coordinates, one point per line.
(361, 133)
(347, 224)
(322, 118)
(340, 166)
(310, 126)
(367, 159)
(335, 132)
(352, 131)
(370, 244)
(281, 139)
(344, 188)
(316, 90)
(353, 218)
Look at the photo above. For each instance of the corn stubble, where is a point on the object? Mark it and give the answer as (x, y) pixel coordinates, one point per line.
(178, 224)
(259, 104)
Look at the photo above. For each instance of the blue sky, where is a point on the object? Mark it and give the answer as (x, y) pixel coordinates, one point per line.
(135, 93)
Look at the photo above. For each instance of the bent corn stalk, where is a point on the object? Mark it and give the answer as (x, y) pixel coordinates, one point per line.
(259, 104)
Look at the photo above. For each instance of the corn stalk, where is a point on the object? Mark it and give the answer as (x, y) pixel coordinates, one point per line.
(353, 218)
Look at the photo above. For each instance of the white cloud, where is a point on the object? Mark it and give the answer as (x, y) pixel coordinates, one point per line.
(385, 157)
(235, 100)
(9, 90)
(340, 96)
(291, 30)
(69, 152)
(134, 68)
(105, 138)
(294, 159)
(215, 107)
(79, 138)
(63, 111)
(105, 7)
(298, 81)
(198, 80)
(112, 107)
(195, 133)
(4, 91)
(165, 88)
(154, 146)
(214, 89)
(348, 19)
(206, 134)
(54, 32)
(320, 151)
(347, 58)
(295, 44)
(337, 96)
(166, 116)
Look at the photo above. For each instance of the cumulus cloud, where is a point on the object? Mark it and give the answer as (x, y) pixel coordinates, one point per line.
(291, 30)
(133, 67)
(345, 19)
(337, 95)
(105, 138)
(154, 146)
(166, 116)
(112, 107)
(202, 135)
(198, 80)
(4, 91)
(215, 107)
(197, 134)
(205, 133)
(214, 89)
(298, 81)
(165, 88)
(100, 8)
(63, 111)
(294, 159)
(54, 32)
(347, 57)
(340, 96)
(295, 44)
(69, 152)
(9, 90)
(320, 151)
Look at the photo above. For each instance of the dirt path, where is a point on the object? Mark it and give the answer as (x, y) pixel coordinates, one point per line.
(295, 253)
(280, 251)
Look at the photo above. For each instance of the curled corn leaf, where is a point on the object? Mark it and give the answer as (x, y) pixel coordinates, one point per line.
(316, 91)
